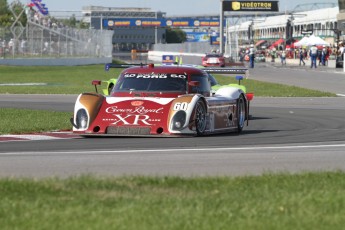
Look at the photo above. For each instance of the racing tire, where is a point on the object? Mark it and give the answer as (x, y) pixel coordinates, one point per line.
(200, 117)
(110, 88)
(241, 113)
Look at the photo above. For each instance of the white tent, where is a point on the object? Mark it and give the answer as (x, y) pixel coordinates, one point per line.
(302, 42)
(311, 40)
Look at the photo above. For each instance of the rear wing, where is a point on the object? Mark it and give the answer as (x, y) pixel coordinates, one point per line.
(225, 70)
(222, 70)
(111, 65)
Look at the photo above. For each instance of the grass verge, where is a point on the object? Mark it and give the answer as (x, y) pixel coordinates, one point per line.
(283, 201)
(16, 121)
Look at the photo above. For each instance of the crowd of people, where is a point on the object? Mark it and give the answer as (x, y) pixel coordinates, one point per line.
(318, 55)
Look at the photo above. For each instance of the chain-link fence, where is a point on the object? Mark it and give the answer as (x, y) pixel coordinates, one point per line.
(39, 40)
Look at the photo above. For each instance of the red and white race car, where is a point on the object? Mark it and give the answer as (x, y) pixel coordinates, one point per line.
(213, 59)
(162, 101)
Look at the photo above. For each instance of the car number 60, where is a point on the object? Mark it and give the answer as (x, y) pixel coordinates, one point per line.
(181, 106)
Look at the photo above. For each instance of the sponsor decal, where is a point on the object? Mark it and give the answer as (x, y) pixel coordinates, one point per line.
(137, 103)
(131, 119)
(136, 110)
(110, 23)
(181, 23)
(180, 106)
(122, 23)
(169, 23)
(132, 116)
(154, 75)
(250, 6)
(151, 23)
(196, 23)
(168, 59)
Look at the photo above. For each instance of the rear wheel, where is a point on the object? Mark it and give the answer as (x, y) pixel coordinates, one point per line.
(200, 117)
(241, 113)
(110, 88)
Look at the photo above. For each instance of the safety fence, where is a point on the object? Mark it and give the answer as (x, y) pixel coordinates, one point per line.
(36, 40)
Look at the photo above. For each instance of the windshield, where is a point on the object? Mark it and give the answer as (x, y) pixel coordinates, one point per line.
(152, 82)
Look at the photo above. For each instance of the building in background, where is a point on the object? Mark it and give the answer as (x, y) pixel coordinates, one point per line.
(118, 19)
(320, 22)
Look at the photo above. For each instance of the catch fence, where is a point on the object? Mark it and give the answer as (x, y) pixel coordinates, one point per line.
(36, 40)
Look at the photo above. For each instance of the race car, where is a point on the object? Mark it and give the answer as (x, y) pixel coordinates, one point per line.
(213, 59)
(162, 101)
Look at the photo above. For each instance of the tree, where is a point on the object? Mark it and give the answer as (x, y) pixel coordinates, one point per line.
(5, 14)
(175, 36)
(6, 17)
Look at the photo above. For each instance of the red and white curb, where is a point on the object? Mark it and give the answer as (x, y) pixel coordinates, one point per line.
(38, 136)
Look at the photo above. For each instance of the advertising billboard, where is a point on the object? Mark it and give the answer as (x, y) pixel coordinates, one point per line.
(250, 6)
(160, 22)
(197, 37)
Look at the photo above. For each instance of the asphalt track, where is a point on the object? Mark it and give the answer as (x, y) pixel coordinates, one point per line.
(284, 135)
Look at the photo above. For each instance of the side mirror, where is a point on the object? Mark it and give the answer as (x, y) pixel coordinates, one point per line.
(194, 83)
(95, 83)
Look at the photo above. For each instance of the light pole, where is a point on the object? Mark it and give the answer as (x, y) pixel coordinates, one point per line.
(221, 29)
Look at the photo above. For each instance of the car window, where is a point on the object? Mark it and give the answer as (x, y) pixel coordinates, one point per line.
(212, 55)
(213, 81)
(152, 82)
(204, 87)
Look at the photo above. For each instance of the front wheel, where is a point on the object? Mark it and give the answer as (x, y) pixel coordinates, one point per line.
(200, 117)
(241, 113)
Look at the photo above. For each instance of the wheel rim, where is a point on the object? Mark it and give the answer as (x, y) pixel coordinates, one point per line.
(200, 117)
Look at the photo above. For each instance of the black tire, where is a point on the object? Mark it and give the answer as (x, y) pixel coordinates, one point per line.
(241, 113)
(200, 117)
(110, 88)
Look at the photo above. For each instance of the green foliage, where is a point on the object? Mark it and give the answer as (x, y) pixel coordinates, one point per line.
(175, 35)
(18, 8)
(6, 17)
(5, 14)
(3, 7)
(70, 22)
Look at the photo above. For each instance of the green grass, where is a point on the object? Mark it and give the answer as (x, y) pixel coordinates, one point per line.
(283, 201)
(16, 121)
(59, 79)
(77, 79)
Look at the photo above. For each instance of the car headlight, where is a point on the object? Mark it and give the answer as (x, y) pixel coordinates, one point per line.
(178, 120)
(81, 119)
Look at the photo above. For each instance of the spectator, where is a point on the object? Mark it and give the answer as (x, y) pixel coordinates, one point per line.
(301, 56)
(323, 55)
(341, 51)
(273, 54)
(313, 54)
(283, 57)
(11, 46)
(251, 56)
